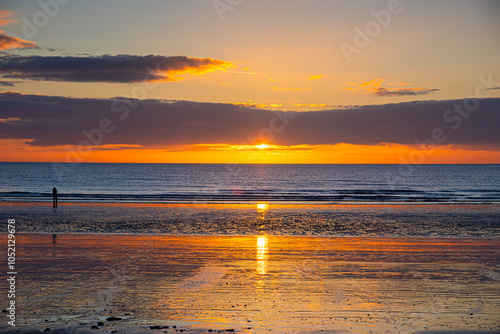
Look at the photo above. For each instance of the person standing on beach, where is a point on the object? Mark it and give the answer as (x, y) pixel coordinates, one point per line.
(54, 197)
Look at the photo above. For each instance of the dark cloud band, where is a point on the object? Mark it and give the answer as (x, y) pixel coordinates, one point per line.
(53, 120)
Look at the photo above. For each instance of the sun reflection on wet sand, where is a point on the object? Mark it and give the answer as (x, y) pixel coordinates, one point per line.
(261, 282)
(262, 254)
(262, 209)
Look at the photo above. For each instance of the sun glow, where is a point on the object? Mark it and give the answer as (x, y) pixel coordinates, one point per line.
(262, 206)
(262, 146)
(23, 150)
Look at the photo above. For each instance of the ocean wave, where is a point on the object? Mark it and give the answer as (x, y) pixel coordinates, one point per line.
(269, 195)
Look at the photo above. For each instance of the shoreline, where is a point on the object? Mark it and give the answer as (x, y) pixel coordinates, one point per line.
(48, 204)
(270, 202)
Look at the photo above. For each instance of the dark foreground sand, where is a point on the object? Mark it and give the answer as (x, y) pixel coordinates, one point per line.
(255, 284)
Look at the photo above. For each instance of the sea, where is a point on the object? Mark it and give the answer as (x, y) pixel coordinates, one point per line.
(223, 183)
(222, 199)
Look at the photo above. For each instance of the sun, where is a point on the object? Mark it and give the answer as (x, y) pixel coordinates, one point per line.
(262, 146)
(262, 206)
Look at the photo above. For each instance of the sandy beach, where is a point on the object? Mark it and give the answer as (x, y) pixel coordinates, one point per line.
(255, 284)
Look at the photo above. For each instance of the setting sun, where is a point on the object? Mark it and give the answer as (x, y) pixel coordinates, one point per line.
(262, 146)
(262, 206)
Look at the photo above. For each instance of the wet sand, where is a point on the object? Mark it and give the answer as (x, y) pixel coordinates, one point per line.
(256, 284)
(391, 220)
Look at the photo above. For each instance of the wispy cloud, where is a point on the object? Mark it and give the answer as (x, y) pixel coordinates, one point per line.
(9, 42)
(228, 147)
(311, 105)
(315, 77)
(292, 107)
(404, 91)
(6, 83)
(107, 68)
(376, 87)
(53, 121)
(252, 104)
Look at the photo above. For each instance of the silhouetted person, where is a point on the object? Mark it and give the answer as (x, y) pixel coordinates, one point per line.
(54, 197)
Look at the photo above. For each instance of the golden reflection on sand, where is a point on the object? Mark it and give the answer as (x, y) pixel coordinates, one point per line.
(262, 209)
(264, 282)
(262, 254)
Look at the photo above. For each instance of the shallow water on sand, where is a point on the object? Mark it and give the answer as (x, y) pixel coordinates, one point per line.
(257, 283)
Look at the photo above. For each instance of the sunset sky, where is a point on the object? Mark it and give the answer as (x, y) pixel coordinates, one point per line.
(250, 81)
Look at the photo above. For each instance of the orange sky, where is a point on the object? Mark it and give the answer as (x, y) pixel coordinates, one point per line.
(259, 56)
(16, 150)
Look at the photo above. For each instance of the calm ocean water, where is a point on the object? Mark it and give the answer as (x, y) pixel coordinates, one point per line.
(208, 183)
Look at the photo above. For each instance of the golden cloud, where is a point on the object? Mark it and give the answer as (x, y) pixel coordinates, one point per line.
(9, 42)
